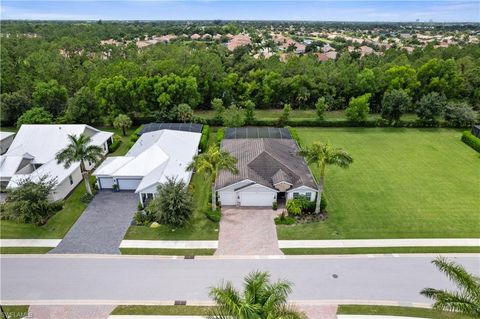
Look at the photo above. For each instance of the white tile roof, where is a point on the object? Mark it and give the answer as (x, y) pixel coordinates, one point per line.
(41, 142)
(154, 157)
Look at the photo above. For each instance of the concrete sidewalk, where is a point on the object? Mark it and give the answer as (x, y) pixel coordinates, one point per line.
(213, 244)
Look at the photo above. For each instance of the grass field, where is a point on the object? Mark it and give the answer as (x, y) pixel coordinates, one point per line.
(403, 183)
(271, 114)
(398, 311)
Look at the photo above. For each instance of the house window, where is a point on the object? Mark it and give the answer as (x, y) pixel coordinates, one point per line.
(105, 146)
(295, 195)
(308, 195)
(89, 163)
(70, 179)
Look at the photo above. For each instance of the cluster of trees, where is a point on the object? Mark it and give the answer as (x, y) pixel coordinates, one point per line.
(94, 83)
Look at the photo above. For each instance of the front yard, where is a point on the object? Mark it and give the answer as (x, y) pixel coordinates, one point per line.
(404, 183)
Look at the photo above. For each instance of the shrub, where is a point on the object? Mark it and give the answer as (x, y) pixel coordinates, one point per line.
(394, 104)
(134, 137)
(283, 219)
(57, 206)
(459, 114)
(293, 207)
(430, 106)
(220, 136)
(217, 106)
(275, 205)
(295, 136)
(320, 107)
(234, 117)
(249, 112)
(358, 108)
(29, 202)
(115, 145)
(285, 116)
(86, 198)
(174, 205)
(471, 140)
(213, 215)
(204, 138)
(144, 217)
(36, 115)
(323, 203)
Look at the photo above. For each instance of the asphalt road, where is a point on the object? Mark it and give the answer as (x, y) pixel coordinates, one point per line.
(123, 279)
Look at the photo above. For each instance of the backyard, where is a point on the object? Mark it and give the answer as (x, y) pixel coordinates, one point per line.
(403, 183)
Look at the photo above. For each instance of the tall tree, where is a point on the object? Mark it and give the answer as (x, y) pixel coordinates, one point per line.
(51, 96)
(210, 163)
(394, 104)
(323, 154)
(466, 299)
(13, 105)
(261, 299)
(35, 115)
(358, 108)
(80, 150)
(83, 107)
(430, 106)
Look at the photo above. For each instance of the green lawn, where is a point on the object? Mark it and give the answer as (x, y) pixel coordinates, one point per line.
(403, 183)
(15, 312)
(25, 250)
(271, 114)
(167, 251)
(379, 250)
(161, 310)
(397, 311)
(56, 227)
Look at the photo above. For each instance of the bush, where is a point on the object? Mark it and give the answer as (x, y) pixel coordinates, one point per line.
(213, 215)
(293, 207)
(86, 198)
(295, 136)
(234, 117)
(220, 136)
(204, 138)
(57, 206)
(115, 145)
(283, 219)
(134, 137)
(459, 114)
(144, 218)
(36, 115)
(358, 108)
(285, 116)
(323, 203)
(394, 104)
(275, 205)
(471, 140)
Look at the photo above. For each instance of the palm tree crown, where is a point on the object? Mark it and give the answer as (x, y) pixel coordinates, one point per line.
(211, 162)
(261, 299)
(466, 300)
(323, 154)
(80, 150)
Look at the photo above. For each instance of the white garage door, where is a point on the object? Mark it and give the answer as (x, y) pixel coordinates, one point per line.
(105, 182)
(128, 184)
(256, 199)
(227, 198)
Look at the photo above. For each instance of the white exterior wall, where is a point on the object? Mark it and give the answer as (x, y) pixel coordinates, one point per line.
(227, 195)
(302, 190)
(64, 187)
(255, 195)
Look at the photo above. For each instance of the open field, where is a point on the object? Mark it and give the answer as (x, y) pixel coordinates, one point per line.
(404, 183)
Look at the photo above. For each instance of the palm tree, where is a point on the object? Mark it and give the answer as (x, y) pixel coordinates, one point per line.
(79, 150)
(210, 163)
(466, 300)
(261, 299)
(323, 154)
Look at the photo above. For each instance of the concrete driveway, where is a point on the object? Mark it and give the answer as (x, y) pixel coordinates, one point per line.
(248, 231)
(102, 225)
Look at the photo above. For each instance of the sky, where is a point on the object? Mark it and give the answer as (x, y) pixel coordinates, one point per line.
(320, 10)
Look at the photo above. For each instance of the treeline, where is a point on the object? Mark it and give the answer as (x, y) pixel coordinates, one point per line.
(93, 84)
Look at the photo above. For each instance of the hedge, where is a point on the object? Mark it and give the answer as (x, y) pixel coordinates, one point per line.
(471, 140)
(114, 146)
(134, 137)
(220, 136)
(295, 136)
(204, 138)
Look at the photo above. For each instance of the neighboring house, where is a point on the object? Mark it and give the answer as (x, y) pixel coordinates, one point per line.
(6, 139)
(32, 155)
(154, 157)
(270, 170)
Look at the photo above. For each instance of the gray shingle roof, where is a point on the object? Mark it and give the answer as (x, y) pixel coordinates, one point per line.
(266, 161)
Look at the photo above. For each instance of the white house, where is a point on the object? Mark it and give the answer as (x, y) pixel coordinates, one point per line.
(269, 170)
(32, 155)
(6, 139)
(154, 157)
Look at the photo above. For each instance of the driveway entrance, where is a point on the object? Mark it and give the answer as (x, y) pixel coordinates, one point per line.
(248, 231)
(102, 225)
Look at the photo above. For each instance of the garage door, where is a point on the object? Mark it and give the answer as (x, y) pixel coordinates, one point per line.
(227, 198)
(128, 184)
(105, 182)
(256, 199)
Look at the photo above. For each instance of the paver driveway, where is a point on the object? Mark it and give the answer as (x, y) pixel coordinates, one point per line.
(248, 231)
(102, 225)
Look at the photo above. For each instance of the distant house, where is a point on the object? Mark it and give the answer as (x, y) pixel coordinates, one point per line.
(32, 155)
(270, 170)
(195, 36)
(156, 155)
(6, 139)
(330, 55)
(238, 40)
